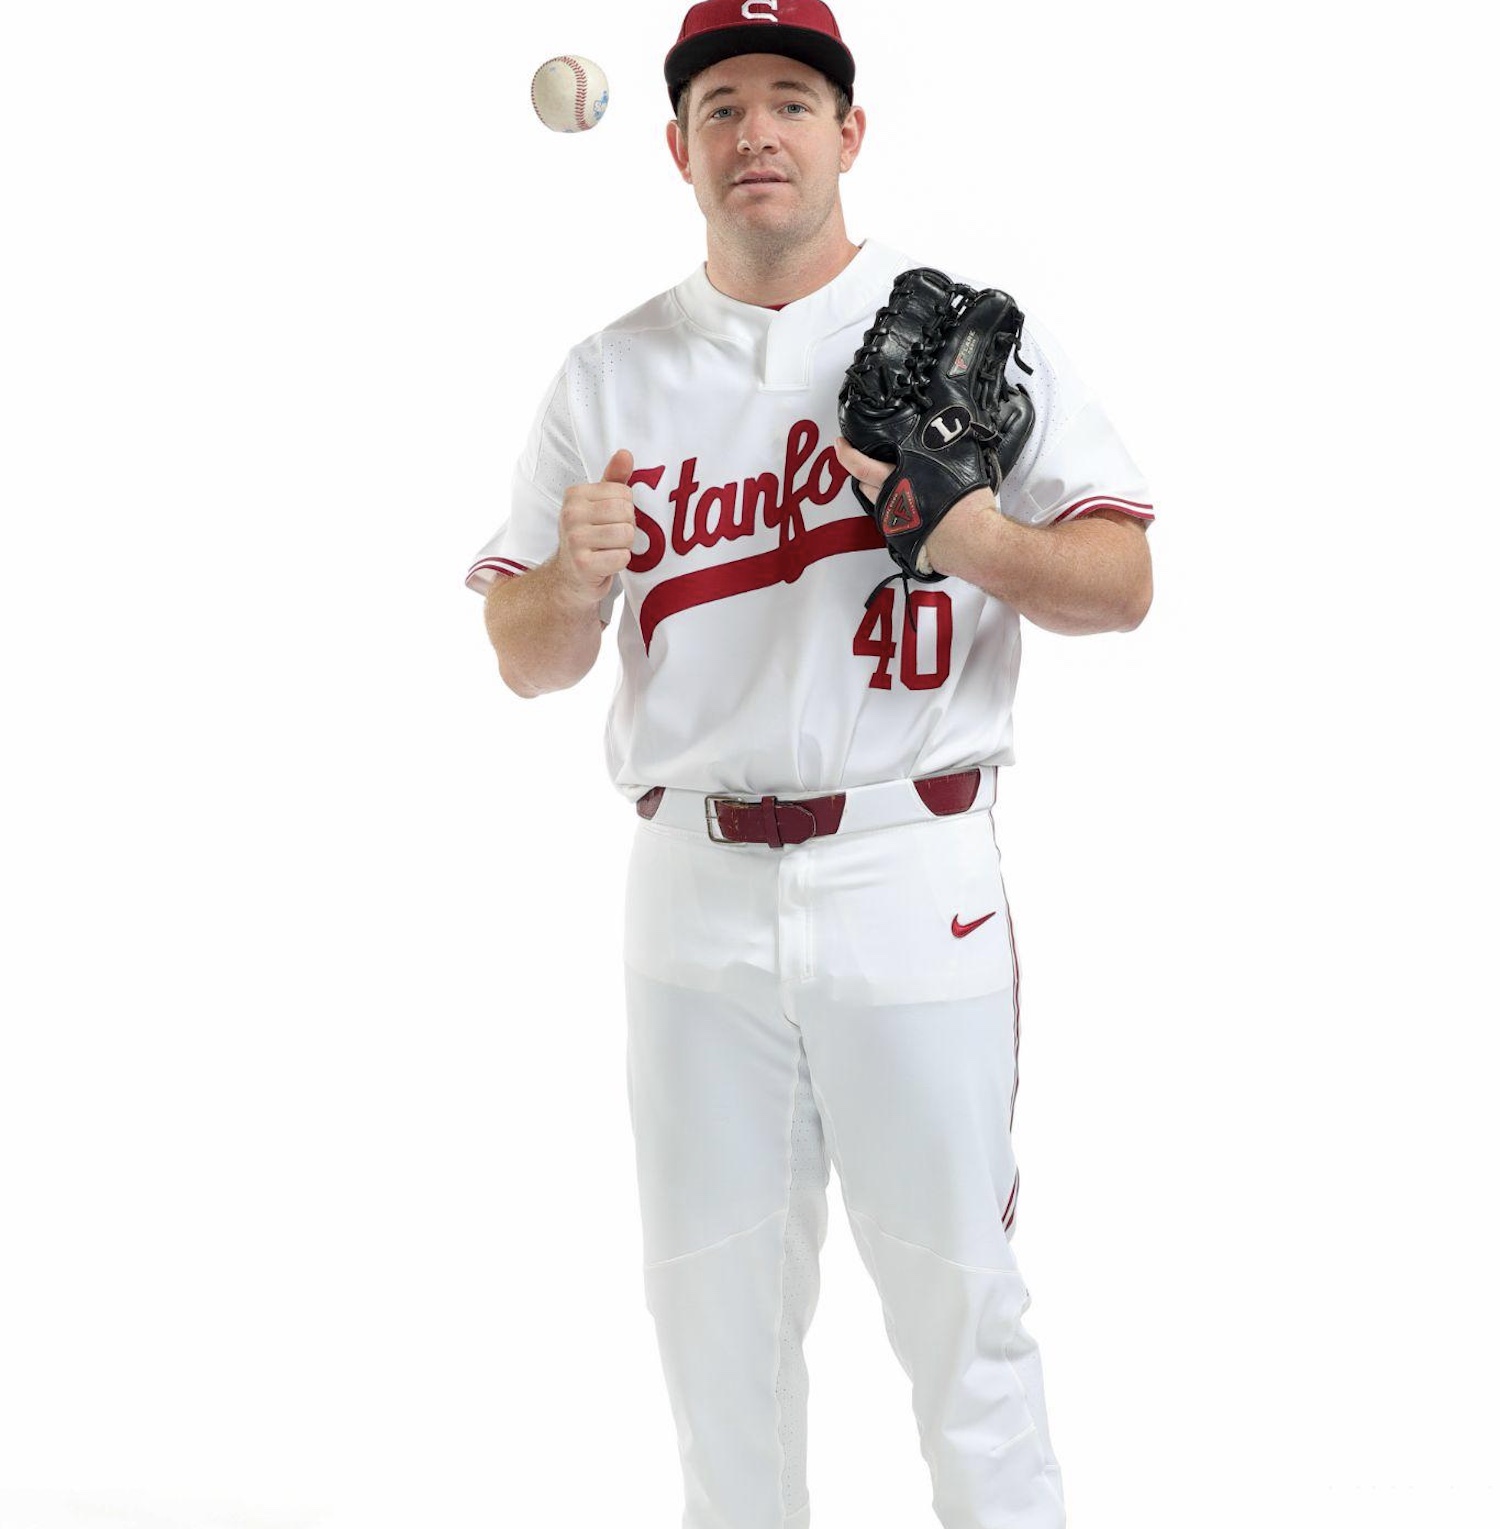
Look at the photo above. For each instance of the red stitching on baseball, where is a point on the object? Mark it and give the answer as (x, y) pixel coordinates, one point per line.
(580, 96)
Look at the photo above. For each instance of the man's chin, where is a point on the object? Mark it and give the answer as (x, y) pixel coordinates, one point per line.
(759, 218)
(760, 208)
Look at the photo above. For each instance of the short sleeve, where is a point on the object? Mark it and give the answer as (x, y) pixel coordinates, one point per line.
(549, 464)
(1075, 462)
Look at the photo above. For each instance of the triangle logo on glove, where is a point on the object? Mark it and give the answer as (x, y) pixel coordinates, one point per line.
(901, 512)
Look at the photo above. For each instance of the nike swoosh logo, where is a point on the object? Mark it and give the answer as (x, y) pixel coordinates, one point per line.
(960, 930)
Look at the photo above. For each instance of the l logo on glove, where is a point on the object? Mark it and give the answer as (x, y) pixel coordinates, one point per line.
(946, 427)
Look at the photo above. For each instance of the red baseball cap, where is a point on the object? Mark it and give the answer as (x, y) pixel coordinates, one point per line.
(720, 29)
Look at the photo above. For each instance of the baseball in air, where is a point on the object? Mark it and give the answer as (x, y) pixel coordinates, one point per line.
(569, 93)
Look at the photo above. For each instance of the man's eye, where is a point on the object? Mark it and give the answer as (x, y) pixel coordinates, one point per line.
(797, 105)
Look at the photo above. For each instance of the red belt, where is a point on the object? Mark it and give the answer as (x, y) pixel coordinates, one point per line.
(777, 822)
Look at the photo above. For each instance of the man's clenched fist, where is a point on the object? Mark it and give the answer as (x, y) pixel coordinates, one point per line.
(596, 530)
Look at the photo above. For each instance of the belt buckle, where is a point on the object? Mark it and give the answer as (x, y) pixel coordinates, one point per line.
(771, 808)
(711, 813)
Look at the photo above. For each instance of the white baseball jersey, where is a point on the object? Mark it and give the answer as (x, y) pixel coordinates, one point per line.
(748, 661)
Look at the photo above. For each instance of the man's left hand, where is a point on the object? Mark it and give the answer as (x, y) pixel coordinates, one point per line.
(870, 474)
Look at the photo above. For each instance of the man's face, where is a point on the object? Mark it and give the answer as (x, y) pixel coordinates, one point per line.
(764, 150)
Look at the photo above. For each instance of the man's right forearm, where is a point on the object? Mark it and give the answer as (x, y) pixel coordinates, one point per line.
(544, 638)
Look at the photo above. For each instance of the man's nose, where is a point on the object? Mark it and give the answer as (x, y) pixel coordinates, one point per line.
(758, 131)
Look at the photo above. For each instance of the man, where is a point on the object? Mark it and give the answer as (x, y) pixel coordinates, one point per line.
(819, 958)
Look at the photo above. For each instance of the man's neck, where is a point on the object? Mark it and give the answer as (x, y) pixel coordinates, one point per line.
(773, 278)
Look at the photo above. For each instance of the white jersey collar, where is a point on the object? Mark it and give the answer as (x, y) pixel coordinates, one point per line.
(783, 339)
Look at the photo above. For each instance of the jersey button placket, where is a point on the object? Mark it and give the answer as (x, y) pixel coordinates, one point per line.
(784, 360)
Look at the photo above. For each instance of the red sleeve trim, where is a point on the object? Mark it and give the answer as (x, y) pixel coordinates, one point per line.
(496, 567)
(1082, 507)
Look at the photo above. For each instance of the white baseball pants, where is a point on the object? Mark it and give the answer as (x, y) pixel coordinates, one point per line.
(785, 1008)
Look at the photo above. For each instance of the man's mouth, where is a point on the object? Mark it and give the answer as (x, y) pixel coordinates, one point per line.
(756, 179)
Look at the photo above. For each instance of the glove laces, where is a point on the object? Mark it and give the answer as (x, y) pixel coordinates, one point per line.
(900, 573)
(893, 388)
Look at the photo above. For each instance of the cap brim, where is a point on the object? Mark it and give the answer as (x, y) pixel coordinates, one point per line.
(816, 49)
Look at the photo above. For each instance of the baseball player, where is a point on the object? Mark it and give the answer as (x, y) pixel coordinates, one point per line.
(819, 956)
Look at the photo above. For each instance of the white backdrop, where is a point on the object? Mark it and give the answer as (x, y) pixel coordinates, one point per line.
(316, 1182)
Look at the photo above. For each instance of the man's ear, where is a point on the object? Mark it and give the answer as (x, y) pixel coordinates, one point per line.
(677, 144)
(852, 135)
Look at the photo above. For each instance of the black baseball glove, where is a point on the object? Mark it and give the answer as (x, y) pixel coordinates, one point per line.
(927, 391)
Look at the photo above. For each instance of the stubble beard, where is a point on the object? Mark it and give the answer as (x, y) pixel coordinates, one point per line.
(769, 245)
